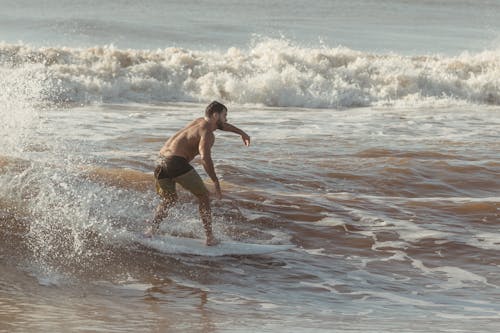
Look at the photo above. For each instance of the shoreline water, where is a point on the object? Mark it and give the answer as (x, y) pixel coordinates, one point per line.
(374, 152)
(384, 222)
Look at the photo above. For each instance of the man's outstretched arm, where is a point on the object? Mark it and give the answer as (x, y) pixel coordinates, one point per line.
(231, 128)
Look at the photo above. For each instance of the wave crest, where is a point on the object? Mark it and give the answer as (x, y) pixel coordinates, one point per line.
(272, 72)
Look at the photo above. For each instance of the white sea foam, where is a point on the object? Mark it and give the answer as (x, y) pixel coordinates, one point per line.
(331, 221)
(273, 72)
(316, 252)
(485, 240)
(326, 285)
(398, 299)
(455, 277)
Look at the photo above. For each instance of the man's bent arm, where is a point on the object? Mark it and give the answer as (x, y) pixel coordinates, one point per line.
(205, 146)
(231, 128)
(206, 143)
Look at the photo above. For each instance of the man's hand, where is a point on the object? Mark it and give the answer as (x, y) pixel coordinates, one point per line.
(246, 139)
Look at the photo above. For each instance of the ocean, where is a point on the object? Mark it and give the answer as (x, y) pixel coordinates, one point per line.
(375, 151)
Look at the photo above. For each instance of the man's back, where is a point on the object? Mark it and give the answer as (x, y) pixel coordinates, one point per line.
(185, 143)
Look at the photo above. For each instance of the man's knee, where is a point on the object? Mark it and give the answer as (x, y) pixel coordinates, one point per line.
(203, 197)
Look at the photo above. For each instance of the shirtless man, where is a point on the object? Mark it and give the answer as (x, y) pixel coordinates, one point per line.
(173, 166)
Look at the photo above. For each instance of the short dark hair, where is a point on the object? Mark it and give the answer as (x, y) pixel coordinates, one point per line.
(214, 107)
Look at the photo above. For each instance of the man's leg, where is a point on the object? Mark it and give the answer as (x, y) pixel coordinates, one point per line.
(162, 211)
(166, 189)
(206, 218)
(192, 182)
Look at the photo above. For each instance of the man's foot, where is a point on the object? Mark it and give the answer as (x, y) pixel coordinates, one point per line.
(150, 231)
(211, 241)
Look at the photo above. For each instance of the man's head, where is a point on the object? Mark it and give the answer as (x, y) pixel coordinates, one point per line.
(218, 111)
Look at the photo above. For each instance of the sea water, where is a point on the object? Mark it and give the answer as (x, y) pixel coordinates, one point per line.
(375, 151)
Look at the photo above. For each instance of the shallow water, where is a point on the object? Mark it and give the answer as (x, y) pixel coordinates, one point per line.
(375, 152)
(393, 213)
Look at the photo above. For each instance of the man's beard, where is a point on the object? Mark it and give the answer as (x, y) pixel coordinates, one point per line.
(220, 125)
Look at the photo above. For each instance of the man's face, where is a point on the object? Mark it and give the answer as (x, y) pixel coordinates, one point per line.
(222, 119)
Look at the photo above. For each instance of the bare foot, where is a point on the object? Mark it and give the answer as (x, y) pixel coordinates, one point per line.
(150, 231)
(211, 241)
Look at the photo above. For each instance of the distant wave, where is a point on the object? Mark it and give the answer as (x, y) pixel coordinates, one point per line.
(272, 72)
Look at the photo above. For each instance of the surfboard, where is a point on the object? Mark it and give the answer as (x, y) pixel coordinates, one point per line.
(181, 245)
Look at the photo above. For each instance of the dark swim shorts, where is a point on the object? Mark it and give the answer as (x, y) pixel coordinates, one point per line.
(175, 169)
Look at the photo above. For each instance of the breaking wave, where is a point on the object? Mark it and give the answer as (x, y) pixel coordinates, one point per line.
(271, 72)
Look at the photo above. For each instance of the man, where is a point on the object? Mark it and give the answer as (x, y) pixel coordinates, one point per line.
(173, 167)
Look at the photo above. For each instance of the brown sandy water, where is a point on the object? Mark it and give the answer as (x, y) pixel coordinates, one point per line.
(394, 214)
